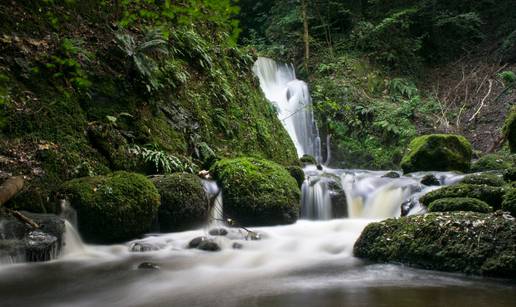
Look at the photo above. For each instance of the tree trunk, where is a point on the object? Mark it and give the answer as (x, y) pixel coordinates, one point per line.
(9, 188)
(304, 8)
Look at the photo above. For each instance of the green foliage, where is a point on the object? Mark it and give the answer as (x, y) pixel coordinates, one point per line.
(390, 42)
(508, 77)
(143, 55)
(67, 64)
(184, 204)
(162, 161)
(459, 204)
(257, 191)
(113, 208)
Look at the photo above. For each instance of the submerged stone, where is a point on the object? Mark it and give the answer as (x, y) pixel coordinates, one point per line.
(148, 266)
(430, 180)
(194, 243)
(391, 174)
(468, 242)
(209, 246)
(237, 245)
(218, 232)
(141, 247)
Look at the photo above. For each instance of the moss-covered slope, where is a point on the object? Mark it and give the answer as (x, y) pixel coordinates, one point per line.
(70, 67)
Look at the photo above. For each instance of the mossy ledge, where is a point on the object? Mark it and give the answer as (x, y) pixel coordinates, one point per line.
(467, 242)
(437, 152)
(491, 195)
(113, 208)
(257, 192)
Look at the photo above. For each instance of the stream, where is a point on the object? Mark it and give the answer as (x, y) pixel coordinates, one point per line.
(309, 263)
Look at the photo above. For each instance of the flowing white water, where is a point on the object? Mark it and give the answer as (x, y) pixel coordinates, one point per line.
(292, 100)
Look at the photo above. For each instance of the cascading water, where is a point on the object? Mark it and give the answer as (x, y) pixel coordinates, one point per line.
(292, 100)
(367, 194)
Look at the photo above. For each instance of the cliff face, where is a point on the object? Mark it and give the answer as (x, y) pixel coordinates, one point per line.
(81, 86)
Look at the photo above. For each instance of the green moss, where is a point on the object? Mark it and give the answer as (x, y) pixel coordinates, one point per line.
(487, 179)
(307, 159)
(437, 152)
(491, 195)
(509, 129)
(184, 204)
(113, 208)
(492, 162)
(257, 191)
(509, 201)
(468, 242)
(459, 204)
(510, 174)
(297, 173)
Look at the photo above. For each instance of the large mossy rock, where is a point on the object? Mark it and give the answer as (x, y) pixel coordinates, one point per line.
(509, 202)
(468, 242)
(257, 192)
(437, 152)
(493, 196)
(297, 173)
(487, 179)
(509, 129)
(113, 208)
(184, 204)
(459, 204)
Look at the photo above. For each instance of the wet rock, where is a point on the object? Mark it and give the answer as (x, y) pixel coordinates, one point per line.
(141, 247)
(391, 175)
(208, 245)
(339, 205)
(194, 243)
(459, 204)
(237, 245)
(40, 246)
(148, 266)
(406, 207)
(218, 232)
(467, 242)
(430, 180)
(19, 242)
(253, 236)
(491, 195)
(487, 179)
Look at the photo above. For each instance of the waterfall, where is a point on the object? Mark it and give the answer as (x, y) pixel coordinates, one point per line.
(214, 194)
(292, 101)
(367, 193)
(73, 243)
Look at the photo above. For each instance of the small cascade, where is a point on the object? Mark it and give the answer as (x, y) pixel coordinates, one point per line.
(73, 243)
(214, 194)
(292, 100)
(315, 200)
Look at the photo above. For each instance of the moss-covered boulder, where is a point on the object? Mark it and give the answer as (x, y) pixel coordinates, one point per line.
(491, 195)
(509, 129)
(459, 204)
(437, 152)
(184, 203)
(487, 179)
(510, 174)
(113, 208)
(307, 159)
(257, 192)
(492, 162)
(468, 242)
(509, 202)
(297, 173)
